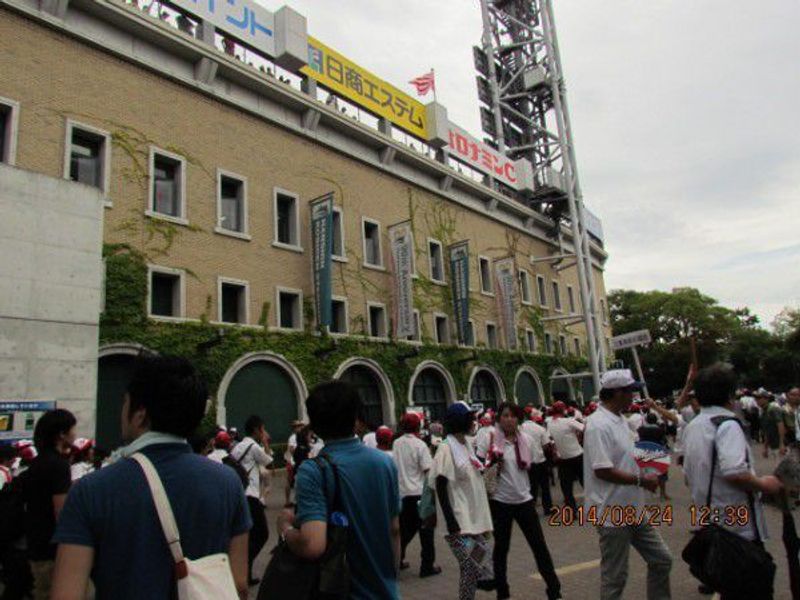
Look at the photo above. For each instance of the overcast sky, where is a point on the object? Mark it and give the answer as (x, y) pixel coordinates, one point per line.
(685, 116)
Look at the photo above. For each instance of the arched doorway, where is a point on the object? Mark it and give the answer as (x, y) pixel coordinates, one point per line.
(561, 386)
(374, 388)
(528, 388)
(432, 389)
(115, 366)
(485, 388)
(266, 385)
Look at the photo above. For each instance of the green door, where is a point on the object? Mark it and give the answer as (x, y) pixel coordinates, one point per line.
(559, 390)
(527, 391)
(484, 390)
(113, 375)
(369, 389)
(429, 393)
(262, 388)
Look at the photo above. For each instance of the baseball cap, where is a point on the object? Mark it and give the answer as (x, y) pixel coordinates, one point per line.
(459, 409)
(617, 379)
(410, 421)
(384, 435)
(559, 407)
(762, 393)
(223, 438)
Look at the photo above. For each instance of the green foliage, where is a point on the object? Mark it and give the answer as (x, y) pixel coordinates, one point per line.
(126, 286)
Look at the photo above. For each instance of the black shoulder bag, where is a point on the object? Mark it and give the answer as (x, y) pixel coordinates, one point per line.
(725, 561)
(289, 576)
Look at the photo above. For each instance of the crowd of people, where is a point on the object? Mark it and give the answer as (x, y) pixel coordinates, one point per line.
(78, 523)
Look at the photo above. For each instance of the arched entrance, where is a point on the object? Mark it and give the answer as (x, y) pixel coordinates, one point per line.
(432, 388)
(115, 366)
(266, 385)
(528, 388)
(374, 388)
(486, 388)
(561, 386)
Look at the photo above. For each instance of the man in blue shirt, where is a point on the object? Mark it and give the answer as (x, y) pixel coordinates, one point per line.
(109, 526)
(369, 492)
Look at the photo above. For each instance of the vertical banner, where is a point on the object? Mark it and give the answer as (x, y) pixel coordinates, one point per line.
(506, 282)
(459, 275)
(402, 245)
(322, 243)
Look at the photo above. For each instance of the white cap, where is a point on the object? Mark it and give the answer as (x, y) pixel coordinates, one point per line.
(617, 379)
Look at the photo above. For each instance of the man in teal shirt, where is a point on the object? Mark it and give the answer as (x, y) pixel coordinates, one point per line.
(369, 491)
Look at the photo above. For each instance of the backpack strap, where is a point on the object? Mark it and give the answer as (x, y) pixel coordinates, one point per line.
(165, 514)
(336, 502)
(242, 457)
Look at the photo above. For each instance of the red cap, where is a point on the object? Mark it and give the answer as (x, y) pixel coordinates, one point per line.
(559, 408)
(223, 438)
(28, 453)
(82, 444)
(384, 436)
(410, 422)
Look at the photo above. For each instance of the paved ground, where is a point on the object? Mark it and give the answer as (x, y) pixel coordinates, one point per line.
(576, 555)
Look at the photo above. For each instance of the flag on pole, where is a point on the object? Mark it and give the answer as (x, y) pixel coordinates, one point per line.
(424, 83)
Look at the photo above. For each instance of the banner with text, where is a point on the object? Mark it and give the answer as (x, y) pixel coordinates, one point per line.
(18, 418)
(506, 282)
(322, 244)
(402, 244)
(459, 275)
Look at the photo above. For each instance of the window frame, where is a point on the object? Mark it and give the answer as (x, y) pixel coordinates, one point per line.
(524, 274)
(573, 305)
(563, 347)
(541, 290)
(488, 260)
(576, 345)
(105, 159)
(12, 133)
(150, 211)
(443, 280)
(555, 287)
(276, 243)
(342, 299)
(287, 290)
(436, 317)
(181, 274)
(548, 343)
(245, 233)
(238, 282)
(340, 257)
(381, 305)
(365, 264)
(417, 339)
(530, 340)
(496, 345)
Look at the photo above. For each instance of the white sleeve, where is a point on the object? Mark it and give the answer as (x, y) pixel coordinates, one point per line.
(577, 426)
(596, 448)
(731, 449)
(425, 458)
(260, 456)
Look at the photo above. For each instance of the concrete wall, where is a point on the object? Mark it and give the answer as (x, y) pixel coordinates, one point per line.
(51, 275)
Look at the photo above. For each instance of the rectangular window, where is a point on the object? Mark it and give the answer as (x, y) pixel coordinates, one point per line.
(377, 320)
(290, 307)
(417, 331)
(548, 343)
(571, 297)
(562, 345)
(232, 203)
(287, 224)
(372, 243)
(577, 344)
(491, 335)
(338, 315)
(436, 258)
(470, 333)
(530, 340)
(87, 156)
(524, 286)
(167, 184)
(442, 328)
(166, 293)
(540, 285)
(8, 130)
(485, 272)
(338, 234)
(556, 296)
(232, 302)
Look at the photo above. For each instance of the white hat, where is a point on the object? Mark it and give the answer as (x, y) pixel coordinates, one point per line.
(618, 379)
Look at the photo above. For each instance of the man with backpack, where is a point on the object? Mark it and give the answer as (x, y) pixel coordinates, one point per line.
(251, 454)
(110, 526)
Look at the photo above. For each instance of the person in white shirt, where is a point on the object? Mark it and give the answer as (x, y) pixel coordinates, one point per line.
(413, 460)
(715, 443)
(540, 470)
(613, 480)
(566, 434)
(222, 444)
(252, 453)
(515, 453)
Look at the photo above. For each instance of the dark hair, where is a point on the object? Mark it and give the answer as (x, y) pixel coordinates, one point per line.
(200, 440)
(515, 409)
(651, 419)
(715, 385)
(49, 426)
(171, 391)
(333, 408)
(253, 424)
(459, 423)
(8, 453)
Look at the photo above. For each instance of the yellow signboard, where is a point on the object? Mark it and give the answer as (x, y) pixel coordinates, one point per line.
(348, 80)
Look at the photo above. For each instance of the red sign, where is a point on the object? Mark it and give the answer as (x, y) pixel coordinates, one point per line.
(484, 158)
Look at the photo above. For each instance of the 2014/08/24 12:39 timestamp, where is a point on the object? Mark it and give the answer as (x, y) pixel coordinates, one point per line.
(617, 516)
(729, 516)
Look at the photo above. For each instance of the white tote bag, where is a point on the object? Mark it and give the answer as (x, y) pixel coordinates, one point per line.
(207, 578)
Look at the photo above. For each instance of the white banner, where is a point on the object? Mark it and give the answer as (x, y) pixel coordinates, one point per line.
(402, 245)
(629, 340)
(506, 283)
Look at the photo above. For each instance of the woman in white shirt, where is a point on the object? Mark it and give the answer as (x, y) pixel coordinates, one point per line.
(515, 453)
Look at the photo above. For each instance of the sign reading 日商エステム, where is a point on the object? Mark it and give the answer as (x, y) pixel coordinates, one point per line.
(356, 84)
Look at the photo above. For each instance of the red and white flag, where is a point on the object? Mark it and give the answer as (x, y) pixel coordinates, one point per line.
(424, 83)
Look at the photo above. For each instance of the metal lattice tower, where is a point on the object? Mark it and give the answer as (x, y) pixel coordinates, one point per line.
(521, 82)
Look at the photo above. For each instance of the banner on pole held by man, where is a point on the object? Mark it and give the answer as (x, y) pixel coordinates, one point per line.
(322, 243)
(401, 242)
(459, 275)
(506, 282)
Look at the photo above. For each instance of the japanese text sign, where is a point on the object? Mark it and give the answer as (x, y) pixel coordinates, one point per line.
(629, 340)
(459, 273)
(402, 243)
(321, 235)
(486, 159)
(242, 19)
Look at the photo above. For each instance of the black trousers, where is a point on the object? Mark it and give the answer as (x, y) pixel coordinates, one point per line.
(569, 471)
(410, 524)
(17, 577)
(503, 517)
(259, 534)
(540, 480)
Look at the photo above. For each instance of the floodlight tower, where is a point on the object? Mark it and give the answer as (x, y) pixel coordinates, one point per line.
(521, 82)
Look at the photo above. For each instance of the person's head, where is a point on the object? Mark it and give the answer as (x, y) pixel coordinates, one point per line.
(333, 408)
(617, 388)
(793, 396)
(254, 427)
(558, 409)
(8, 455)
(509, 416)
(222, 440)
(55, 431)
(165, 394)
(459, 419)
(297, 426)
(201, 442)
(651, 419)
(383, 437)
(410, 423)
(715, 385)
